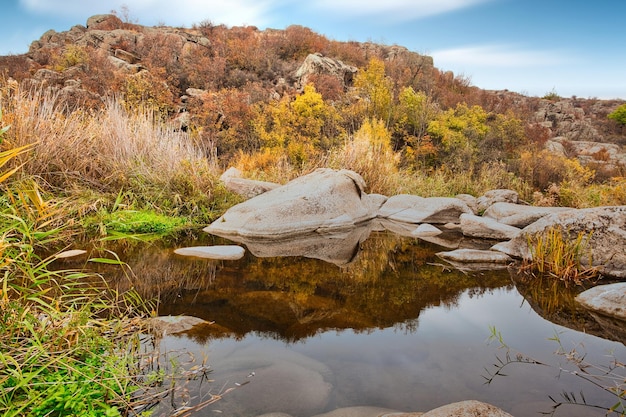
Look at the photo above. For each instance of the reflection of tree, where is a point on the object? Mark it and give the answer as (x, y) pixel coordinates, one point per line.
(387, 285)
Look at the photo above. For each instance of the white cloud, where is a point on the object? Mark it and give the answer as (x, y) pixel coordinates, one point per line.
(170, 12)
(501, 56)
(398, 10)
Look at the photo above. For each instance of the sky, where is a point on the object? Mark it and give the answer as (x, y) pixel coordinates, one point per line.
(533, 47)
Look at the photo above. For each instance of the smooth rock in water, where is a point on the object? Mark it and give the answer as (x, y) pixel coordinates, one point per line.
(608, 299)
(605, 245)
(486, 228)
(70, 253)
(222, 252)
(281, 376)
(470, 408)
(475, 256)
(174, 324)
(415, 209)
(519, 215)
(325, 199)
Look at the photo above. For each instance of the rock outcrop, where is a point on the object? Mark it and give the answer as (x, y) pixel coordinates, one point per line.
(316, 64)
(327, 205)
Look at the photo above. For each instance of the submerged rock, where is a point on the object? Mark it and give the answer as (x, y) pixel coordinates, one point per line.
(475, 256)
(174, 324)
(470, 408)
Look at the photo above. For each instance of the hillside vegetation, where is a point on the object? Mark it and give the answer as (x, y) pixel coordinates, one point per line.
(151, 116)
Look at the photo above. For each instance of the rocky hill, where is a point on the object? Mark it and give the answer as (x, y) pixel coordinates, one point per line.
(172, 66)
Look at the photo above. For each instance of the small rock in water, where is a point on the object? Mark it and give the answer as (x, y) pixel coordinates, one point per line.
(223, 252)
(69, 253)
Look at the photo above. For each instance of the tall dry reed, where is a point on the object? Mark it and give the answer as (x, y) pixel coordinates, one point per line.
(107, 149)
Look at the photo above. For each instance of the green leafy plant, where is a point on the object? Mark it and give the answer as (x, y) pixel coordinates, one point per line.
(619, 115)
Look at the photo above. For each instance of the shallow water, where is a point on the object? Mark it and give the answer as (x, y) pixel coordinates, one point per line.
(392, 327)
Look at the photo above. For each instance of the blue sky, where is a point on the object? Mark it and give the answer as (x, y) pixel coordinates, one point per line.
(571, 47)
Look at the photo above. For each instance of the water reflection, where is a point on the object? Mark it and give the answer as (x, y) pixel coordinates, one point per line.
(378, 321)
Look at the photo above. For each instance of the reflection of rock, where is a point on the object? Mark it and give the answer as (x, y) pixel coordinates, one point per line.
(339, 248)
(324, 200)
(557, 304)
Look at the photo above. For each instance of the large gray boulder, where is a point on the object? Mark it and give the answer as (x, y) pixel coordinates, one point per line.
(519, 215)
(496, 196)
(486, 228)
(605, 228)
(323, 201)
(410, 208)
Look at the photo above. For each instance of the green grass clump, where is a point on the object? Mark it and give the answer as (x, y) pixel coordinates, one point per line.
(133, 222)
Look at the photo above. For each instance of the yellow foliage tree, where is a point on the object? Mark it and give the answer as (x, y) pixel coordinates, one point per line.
(376, 89)
(302, 127)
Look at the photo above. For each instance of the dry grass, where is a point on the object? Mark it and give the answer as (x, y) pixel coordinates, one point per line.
(105, 150)
(557, 255)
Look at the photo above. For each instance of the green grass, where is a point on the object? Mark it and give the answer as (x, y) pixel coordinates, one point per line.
(135, 222)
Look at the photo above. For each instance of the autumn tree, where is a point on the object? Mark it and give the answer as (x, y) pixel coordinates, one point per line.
(415, 111)
(301, 127)
(457, 133)
(375, 90)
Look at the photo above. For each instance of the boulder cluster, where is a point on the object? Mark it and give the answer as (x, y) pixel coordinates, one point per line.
(486, 231)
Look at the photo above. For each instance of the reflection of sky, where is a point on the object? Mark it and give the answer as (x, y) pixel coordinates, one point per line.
(440, 359)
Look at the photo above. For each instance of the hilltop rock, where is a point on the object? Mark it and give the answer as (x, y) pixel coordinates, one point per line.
(319, 64)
